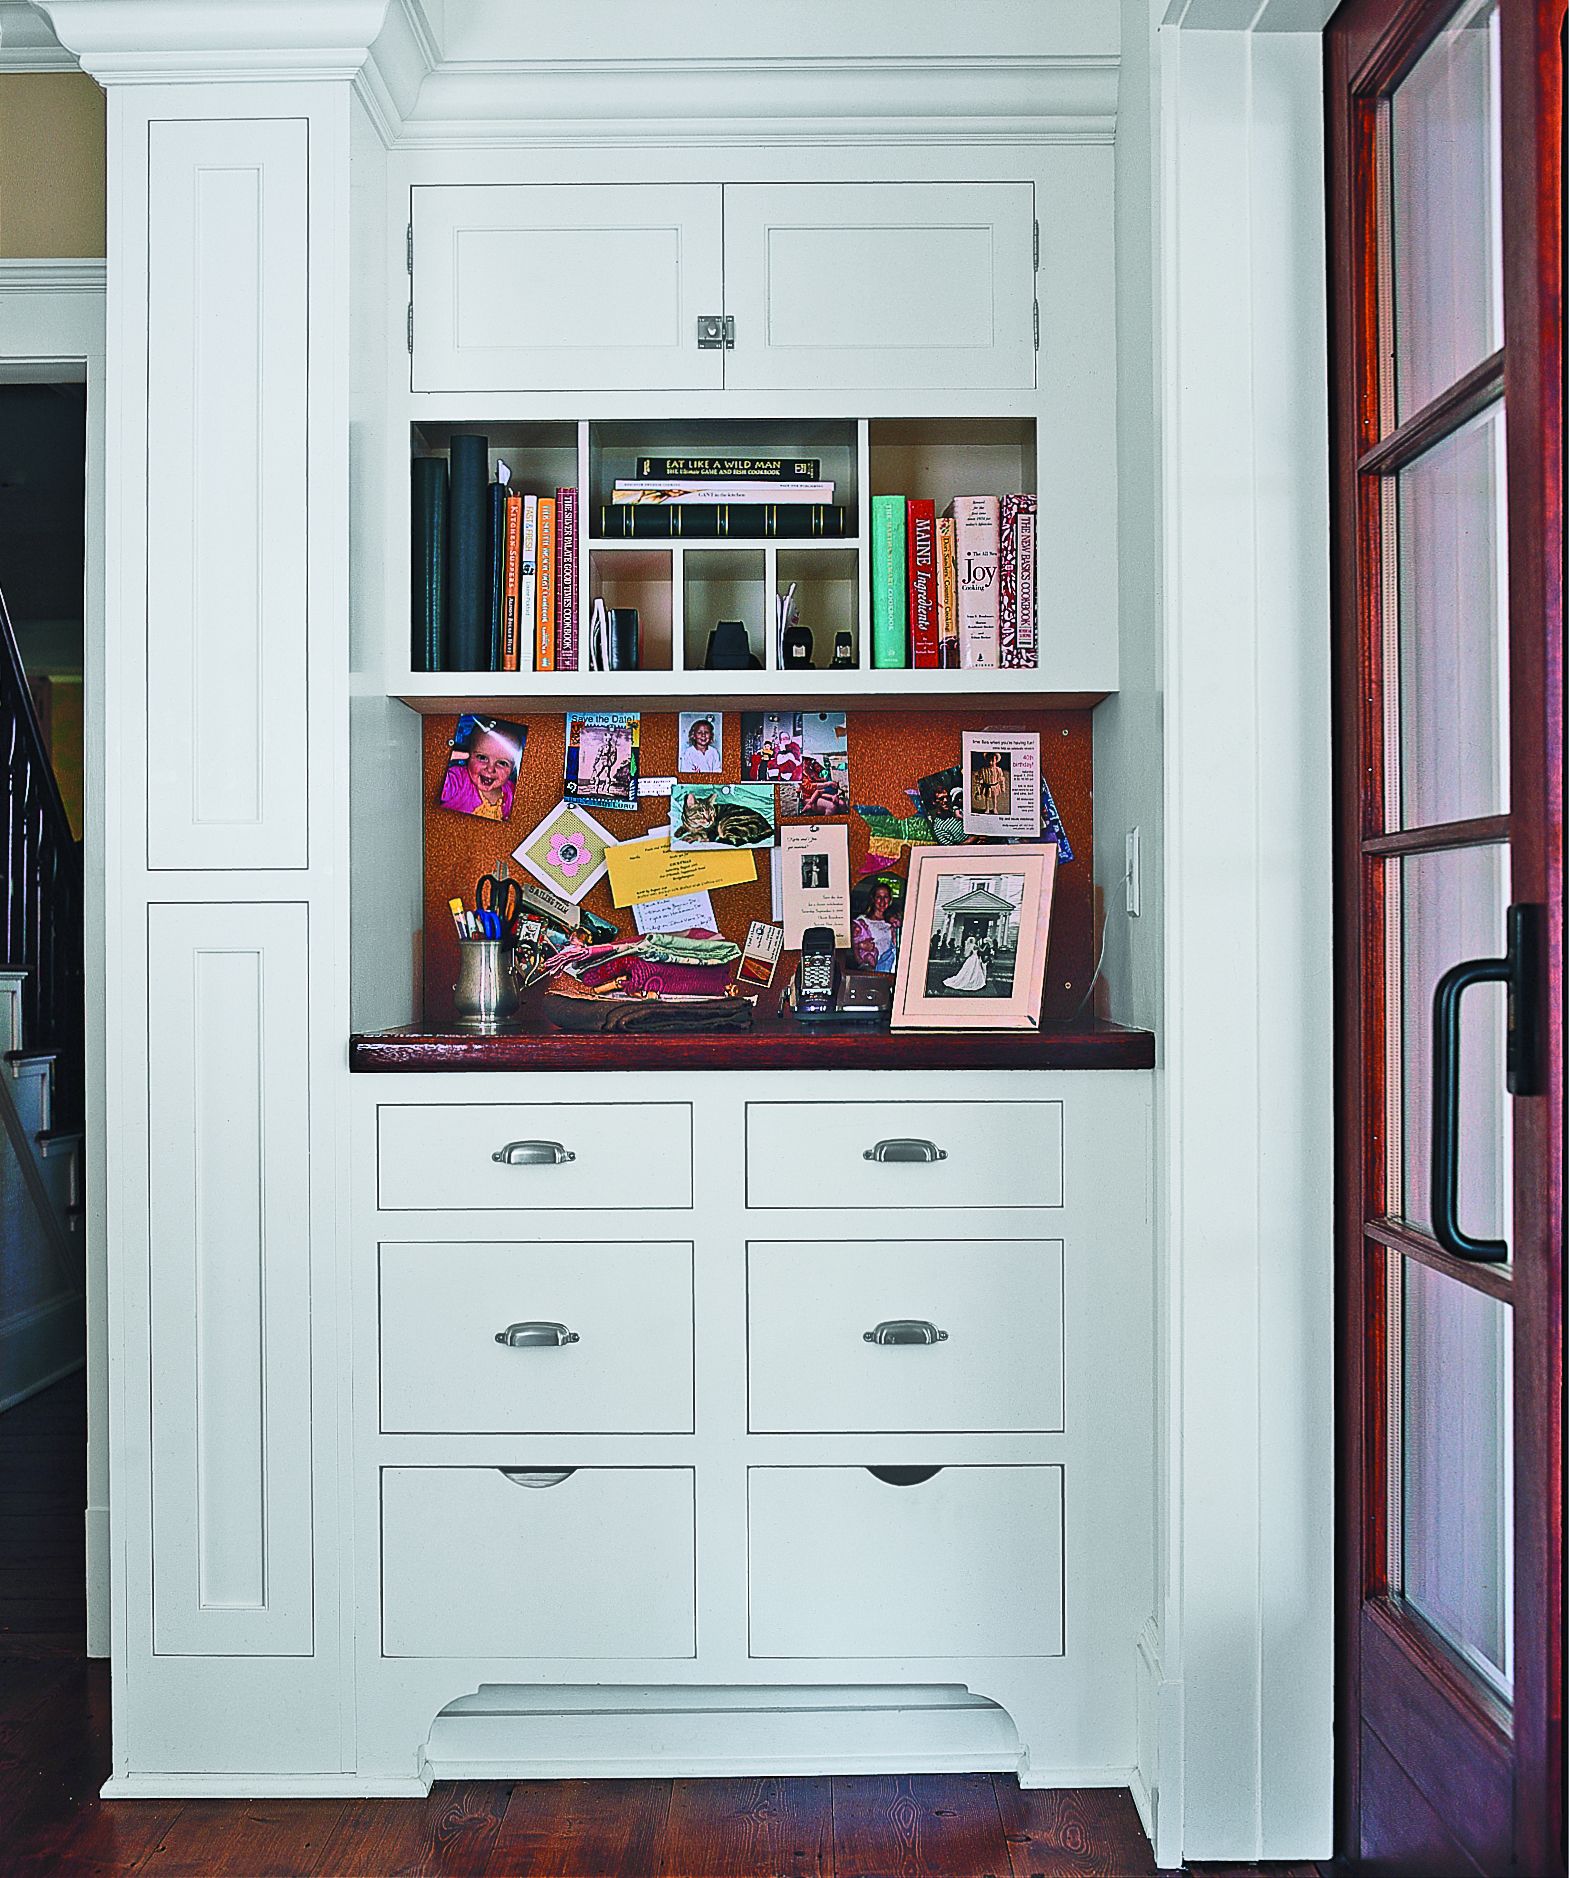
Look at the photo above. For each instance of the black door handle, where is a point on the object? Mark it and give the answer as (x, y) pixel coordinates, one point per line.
(1518, 971)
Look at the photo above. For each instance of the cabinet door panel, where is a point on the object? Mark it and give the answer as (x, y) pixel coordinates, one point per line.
(229, 1249)
(555, 287)
(880, 285)
(226, 495)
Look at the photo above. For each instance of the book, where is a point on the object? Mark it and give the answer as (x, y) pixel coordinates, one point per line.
(921, 562)
(976, 580)
(545, 587)
(720, 521)
(528, 581)
(1017, 582)
(567, 580)
(714, 491)
(782, 469)
(512, 544)
(496, 542)
(428, 563)
(948, 617)
(468, 554)
(889, 583)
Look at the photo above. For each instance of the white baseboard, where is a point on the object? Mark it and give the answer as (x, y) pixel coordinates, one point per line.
(261, 1787)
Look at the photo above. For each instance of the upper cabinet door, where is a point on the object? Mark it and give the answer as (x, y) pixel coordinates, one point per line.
(565, 287)
(880, 285)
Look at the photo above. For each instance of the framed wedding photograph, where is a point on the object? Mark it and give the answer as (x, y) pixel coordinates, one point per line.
(973, 951)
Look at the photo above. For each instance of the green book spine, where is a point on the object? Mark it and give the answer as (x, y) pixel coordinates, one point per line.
(889, 586)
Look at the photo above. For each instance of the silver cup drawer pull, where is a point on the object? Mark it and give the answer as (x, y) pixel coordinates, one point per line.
(905, 1330)
(538, 1476)
(533, 1154)
(536, 1335)
(901, 1149)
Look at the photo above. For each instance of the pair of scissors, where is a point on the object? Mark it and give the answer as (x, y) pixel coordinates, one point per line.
(498, 903)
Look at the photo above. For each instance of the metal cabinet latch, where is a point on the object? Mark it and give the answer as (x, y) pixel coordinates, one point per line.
(716, 332)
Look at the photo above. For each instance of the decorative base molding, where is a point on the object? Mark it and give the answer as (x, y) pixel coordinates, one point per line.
(261, 1787)
(69, 274)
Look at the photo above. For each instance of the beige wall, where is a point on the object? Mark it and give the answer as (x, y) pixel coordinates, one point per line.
(51, 165)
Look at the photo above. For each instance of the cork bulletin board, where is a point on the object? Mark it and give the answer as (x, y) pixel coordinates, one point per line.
(888, 750)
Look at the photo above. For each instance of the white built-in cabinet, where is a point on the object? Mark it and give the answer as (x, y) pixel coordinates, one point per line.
(542, 287)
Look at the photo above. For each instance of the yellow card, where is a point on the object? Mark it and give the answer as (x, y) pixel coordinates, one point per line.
(886, 847)
(649, 869)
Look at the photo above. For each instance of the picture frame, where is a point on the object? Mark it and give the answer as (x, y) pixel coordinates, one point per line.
(973, 949)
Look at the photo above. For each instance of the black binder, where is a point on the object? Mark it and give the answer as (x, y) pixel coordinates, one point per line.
(469, 558)
(428, 563)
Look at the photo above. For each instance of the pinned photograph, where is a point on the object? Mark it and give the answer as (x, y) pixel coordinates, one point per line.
(876, 906)
(701, 739)
(1001, 783)
(566, 851)
(805, 752)
(482, 771)
(723, 815)
(943, 804)
(974, 946)
(601, 765)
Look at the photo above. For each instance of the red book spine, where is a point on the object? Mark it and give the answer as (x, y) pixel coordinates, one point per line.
(921, 555)
(567, 580)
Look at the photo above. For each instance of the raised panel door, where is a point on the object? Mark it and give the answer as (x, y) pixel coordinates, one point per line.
(230, 1262)
(878, 285)
(227, 496)
(565, 287)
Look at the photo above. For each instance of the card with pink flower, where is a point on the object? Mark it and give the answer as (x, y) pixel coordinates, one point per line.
(566, 851)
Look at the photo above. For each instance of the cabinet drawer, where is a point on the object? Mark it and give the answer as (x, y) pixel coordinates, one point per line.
(601, 1338)
(967, 1562)
(899, 1154)
(567, 1155)
(477, 1562)
(993, 1306)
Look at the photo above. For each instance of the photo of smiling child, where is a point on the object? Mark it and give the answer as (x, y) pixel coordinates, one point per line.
(701, 735)
(482, 771)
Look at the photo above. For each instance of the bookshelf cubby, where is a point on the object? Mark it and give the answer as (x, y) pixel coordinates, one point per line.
(682, 588)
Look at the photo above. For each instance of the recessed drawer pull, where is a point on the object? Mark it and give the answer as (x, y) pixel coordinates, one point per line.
(902, 1330)
(533, 1154)
(534, 1336)
(903, 1476)
(901, 1149)
(537, 1476)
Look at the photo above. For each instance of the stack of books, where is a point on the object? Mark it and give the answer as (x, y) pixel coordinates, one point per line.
(495, 568)
(956, 590)
(716, 498)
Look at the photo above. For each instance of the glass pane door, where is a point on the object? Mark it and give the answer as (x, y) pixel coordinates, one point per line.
(1445, 153)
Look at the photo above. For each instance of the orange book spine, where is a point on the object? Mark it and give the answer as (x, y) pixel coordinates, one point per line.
(545, 615)
(511, 576)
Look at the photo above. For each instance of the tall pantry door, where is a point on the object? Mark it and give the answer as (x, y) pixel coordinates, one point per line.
(1446, 168)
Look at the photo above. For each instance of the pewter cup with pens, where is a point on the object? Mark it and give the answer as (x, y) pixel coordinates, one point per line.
(485, 998)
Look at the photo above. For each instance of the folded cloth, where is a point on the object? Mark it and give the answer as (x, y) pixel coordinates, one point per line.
(692, 948)
(646, 1015)
(653, 978)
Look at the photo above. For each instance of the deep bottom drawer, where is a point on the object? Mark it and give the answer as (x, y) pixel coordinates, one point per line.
(481, 1562)
(965, 1562)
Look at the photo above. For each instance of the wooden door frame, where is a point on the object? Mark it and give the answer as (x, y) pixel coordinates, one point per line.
(1368, 48)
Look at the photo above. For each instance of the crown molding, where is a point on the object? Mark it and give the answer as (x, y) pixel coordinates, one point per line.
(26, 42)
(46, 275)
(198, 41)
(896, 100)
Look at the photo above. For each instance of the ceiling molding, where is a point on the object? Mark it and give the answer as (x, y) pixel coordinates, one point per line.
(198, 41)
(28, 43)
(898, 100)
(46, 275)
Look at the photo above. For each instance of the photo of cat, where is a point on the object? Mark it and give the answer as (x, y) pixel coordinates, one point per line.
(723, 815)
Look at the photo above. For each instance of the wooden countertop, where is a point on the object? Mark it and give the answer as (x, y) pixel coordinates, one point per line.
(776, 1041)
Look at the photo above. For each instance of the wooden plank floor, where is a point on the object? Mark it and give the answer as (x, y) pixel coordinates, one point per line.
(54, 1753)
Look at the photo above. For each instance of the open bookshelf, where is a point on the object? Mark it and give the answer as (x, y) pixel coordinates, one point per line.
(681, 588)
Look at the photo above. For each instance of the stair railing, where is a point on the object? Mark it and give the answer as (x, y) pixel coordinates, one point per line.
(42, 935)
